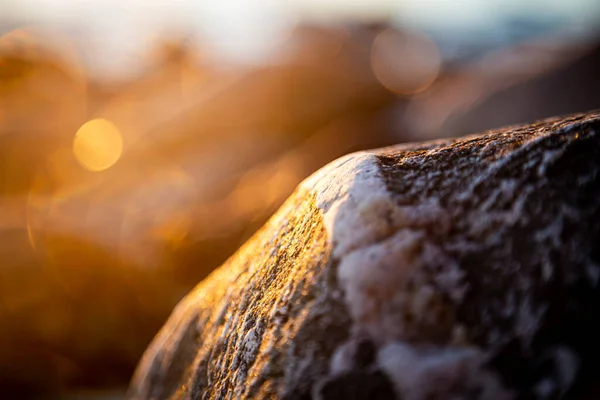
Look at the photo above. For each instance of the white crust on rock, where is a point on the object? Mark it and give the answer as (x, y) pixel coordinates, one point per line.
(381, 247)
(354, 201)
(439, 373)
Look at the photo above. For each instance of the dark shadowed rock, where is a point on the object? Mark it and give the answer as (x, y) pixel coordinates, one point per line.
(456, 269)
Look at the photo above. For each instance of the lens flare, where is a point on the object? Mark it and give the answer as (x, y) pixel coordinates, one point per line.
(98, 144)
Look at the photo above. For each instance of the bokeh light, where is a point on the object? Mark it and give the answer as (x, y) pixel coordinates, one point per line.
(405, 63)
(98, 144)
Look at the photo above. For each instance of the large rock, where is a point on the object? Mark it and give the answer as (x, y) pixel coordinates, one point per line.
(457, 269)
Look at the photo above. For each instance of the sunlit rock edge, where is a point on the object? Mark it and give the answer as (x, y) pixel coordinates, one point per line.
(464, 267)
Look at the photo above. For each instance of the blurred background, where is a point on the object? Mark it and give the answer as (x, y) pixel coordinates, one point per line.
(142, 142)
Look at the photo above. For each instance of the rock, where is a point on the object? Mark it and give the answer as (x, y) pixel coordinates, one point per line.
(457, 269)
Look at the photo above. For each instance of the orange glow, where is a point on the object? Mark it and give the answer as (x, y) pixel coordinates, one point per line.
(174, 230)
(21, 42)
(192, 79)
(42, 85)
(405, 63)
(98, 144)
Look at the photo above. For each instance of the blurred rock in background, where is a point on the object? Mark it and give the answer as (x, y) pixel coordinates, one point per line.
(119, 195)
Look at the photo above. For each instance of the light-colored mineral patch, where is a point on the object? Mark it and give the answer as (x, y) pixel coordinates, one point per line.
(384, 259)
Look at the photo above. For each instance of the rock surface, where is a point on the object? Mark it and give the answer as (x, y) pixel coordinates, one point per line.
(456, 269)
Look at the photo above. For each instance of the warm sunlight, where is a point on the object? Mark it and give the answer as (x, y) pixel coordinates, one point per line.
(98, 144)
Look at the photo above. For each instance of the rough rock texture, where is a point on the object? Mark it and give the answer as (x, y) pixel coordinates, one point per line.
(457, 269)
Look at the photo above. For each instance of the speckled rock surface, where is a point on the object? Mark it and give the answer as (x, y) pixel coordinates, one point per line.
(457, 269)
